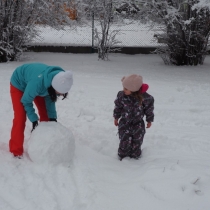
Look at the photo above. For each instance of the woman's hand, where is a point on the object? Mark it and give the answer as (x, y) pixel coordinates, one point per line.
(34, 125)
(53, 119)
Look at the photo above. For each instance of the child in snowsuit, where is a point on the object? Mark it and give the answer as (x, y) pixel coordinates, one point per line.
(41, 84)
(131, 105)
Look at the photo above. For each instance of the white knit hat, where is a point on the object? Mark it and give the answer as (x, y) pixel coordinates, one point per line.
(62, 81)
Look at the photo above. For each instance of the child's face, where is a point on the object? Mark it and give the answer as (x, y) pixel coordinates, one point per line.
(126, 91)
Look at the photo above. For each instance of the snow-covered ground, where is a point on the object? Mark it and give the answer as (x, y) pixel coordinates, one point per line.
(174, 170)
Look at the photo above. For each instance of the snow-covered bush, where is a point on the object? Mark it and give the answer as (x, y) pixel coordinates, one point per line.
(185, 31)
(18, 20)
(102, 13)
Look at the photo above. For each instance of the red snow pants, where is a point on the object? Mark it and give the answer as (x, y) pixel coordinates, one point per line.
(19, 121)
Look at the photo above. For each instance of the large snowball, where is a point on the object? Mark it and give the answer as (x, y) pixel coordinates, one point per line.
(51, 143)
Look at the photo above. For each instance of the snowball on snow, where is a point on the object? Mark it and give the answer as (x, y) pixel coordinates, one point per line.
(51, 143)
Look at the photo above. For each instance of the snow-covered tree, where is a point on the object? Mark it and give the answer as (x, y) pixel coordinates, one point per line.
(185, 31)
(18, 20)
(103, 16)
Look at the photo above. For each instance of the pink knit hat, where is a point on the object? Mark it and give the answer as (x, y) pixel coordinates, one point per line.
(132, 82)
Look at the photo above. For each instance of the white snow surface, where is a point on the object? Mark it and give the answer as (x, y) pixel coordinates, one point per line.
(174, 170)
(51, 143)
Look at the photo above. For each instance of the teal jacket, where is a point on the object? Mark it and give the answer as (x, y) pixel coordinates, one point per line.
(33, 80)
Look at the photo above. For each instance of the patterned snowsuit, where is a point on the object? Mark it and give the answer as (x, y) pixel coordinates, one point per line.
(131, 125)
